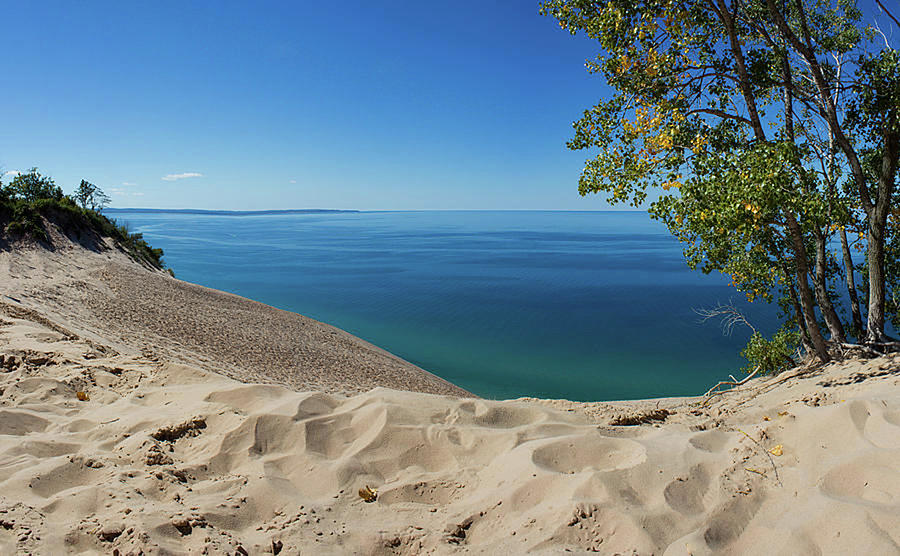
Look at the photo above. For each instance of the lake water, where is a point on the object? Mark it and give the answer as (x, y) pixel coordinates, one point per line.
(577, 305)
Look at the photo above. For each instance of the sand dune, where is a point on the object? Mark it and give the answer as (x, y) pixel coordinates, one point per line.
(166, 457)
(101, 294)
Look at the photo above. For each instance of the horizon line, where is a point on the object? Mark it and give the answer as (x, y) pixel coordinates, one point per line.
(323, 210)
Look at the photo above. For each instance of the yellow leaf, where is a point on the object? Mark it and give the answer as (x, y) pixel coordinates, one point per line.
(777, 450)
(82, 396)
(368, 494)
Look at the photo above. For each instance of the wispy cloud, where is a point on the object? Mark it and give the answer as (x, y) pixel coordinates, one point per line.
(120, 192)
(12, 173)
(128, 184)
(173, 177)
(293, 181)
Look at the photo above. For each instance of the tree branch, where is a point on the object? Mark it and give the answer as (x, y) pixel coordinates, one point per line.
(719, 113)
(889, 14)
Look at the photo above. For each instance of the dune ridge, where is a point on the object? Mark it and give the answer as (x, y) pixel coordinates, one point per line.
(167, 456)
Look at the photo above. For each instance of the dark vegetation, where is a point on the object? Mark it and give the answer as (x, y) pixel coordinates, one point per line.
(31, 202)
(640, 418)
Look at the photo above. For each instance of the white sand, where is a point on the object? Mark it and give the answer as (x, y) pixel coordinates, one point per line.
(168, 457)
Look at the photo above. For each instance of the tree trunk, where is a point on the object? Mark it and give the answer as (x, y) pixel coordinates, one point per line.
(875, 238)
(851, 285)
(798, 313)
(812, 333)
(807, 302)
(832, 320)
(877, 294)
(727, 19)
(795, 302)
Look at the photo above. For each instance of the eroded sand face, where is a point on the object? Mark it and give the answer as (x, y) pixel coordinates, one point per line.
(102, 295)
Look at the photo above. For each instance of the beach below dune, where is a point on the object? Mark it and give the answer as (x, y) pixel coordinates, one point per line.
(184, 443)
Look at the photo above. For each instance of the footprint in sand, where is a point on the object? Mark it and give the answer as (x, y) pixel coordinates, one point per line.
(42, 449)
(685, 494)
(729, 521)
(878, 422)
(710, 441)
(69, 475)
(438, 492)
(490, 415)
(598, 453)
(865, 481)
(18, 423)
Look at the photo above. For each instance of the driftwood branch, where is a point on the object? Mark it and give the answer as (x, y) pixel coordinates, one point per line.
(845, 347)
(731, 382)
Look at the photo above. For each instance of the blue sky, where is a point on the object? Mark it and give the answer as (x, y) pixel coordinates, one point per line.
(239, 105)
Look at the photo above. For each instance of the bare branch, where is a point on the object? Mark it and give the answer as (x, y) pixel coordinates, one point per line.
(887, 43)
(732, 382)
(729, 314)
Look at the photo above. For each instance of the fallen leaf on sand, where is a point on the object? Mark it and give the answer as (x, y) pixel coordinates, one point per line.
(82, 396)
(368, 494)
(782, 413)
(766, 418)
(777, 450)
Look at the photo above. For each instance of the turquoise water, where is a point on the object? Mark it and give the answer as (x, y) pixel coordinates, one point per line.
(577, 305)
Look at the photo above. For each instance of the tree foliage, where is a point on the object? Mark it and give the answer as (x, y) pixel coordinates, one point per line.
(89, 196)
(32, 186)
(773, 355)
(766, 128)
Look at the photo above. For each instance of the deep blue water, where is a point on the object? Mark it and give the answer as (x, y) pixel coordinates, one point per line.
(577, 305)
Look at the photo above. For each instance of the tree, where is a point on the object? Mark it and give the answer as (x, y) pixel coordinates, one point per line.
(721, 105)
(32, 186)
(89, 196)
(84, 193)
(874, 118)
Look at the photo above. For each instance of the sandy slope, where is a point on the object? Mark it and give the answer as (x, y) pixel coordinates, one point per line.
(170, 458)
(99, 293)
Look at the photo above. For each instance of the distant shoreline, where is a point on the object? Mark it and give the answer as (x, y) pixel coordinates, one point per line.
(227, 212)
(215, 212)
